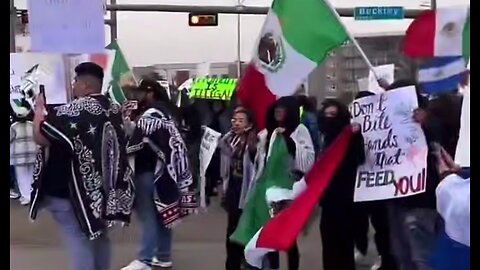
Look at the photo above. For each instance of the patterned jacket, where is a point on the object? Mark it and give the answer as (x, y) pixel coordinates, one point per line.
(175, 191)
(91, 128)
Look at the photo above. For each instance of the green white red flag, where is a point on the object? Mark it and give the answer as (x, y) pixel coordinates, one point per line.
(439, 33)
(281, 232)
(297, 36)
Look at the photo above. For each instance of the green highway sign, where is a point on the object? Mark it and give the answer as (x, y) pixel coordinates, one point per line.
(379, 13)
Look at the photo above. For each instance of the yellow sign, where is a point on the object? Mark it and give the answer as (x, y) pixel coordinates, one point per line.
(217, 89)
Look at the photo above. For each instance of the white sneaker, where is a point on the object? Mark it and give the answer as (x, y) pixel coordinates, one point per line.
(137, 265)
(14, 195)
(161, 264)
(378, 264)
(24, 201)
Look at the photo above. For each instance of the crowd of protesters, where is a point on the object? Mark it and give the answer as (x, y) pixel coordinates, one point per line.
(163, 141)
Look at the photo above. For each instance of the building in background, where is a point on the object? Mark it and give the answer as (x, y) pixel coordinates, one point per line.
(338, 77)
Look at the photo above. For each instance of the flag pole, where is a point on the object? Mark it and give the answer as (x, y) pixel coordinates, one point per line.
(352, 39)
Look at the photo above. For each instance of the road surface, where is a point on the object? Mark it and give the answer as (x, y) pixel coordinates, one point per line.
(198, 243)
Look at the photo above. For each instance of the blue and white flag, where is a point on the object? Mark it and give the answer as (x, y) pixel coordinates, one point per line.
(442, 75)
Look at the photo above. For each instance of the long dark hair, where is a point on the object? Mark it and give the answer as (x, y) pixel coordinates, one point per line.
(292, 117)
(160, 95)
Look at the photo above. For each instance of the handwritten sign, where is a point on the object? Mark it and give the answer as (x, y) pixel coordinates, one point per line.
(395, 146)
(462, 154)
(50, 72)
(217, 89)
(385, 72)
(207, 149)
(67, 26)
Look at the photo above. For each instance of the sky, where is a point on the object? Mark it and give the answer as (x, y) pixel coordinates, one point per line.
(149, 38)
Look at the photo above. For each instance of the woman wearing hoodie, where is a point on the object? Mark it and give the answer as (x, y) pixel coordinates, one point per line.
(337, 224)
(283, 119)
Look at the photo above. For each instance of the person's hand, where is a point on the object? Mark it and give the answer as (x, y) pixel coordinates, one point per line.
(280, 130)
(356, 127)
(277, 207)
(420, 116)
(383, 83)
(39, 103)
(445, 163)
(449, 161)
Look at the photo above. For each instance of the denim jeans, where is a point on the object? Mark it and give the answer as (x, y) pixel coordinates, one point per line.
(156, 238)
(413, 234)
(85, 254)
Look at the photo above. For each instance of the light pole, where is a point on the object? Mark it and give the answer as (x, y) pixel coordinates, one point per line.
(239, 7)
(13, 22)
(113, 25)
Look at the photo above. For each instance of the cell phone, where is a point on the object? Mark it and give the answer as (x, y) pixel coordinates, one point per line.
(42, 92)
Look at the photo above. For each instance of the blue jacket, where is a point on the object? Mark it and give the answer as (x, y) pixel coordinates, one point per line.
(310, 121)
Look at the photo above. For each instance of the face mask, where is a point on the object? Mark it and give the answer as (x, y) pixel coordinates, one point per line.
(332, 125)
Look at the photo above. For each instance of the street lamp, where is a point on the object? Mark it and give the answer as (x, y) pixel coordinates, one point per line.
(239, 7)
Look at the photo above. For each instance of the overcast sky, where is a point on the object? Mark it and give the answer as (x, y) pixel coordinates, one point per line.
(149, 38)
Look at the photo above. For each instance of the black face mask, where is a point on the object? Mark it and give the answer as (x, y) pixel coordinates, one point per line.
(332, 126)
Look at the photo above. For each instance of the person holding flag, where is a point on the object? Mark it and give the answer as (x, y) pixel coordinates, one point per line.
(337, 224)
(283, 122)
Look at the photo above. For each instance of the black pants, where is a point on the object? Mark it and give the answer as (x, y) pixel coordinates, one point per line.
(293, 257)
(12, 177)
(235, 252)
(338, 237)
(376, 212)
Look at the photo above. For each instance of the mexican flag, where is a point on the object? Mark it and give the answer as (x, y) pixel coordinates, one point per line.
(281, 232)
(121, 74)
(257, 212)
(441, 32)
(296, 37)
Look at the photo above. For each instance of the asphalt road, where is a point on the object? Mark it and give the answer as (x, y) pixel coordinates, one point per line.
(198, 244)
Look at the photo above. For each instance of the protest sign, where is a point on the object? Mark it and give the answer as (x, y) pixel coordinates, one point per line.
(363, 84)
(50, 72)
(203, 69)
(68, 26)
(462, 154)
(207, 149)
(385, 72)
(395, 146)
(216, 89)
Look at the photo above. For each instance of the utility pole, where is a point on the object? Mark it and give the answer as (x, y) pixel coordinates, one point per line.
(239, 39)
(113, 22)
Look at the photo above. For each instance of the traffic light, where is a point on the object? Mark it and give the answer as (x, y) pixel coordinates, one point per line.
(201, 19)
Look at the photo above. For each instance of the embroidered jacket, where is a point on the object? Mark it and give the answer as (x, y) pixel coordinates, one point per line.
(101, 190)
(175, 191)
